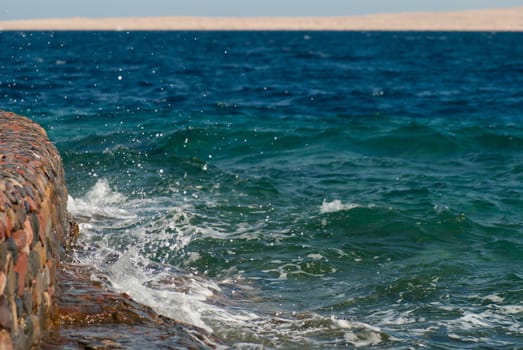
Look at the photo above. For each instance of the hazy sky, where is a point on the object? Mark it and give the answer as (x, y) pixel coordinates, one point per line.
(27, 9)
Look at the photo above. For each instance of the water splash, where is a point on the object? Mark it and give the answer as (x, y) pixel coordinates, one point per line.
(100, 202)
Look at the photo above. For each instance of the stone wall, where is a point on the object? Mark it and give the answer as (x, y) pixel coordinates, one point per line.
(34, 230)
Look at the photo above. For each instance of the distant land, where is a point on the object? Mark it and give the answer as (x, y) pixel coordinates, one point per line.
(506, 19)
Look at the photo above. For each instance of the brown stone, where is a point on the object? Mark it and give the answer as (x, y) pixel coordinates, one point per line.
(21, 268)
(42, 224)
(41, 252)
(6, 320)
(35, 264)
(20, 216)
(35, 225)
(4, 218)
(3, 281)
(28, 301)
(3, 256)
(51, 291)
(20, 238)
(5, 203)
(5, 341)
(14, 314)
(10, 286)
(3, 231)
(12, 219)
(37, 291)
(46, 300)
(47, 276)
(31, 204)
(11, 198)
(36, 326)
(52, 270)
(28, 228)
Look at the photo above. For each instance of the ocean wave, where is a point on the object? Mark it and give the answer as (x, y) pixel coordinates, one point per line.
(133, 242)
(336, 205)
(284, 206)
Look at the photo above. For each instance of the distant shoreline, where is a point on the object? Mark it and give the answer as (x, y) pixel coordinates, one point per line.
(510, 19)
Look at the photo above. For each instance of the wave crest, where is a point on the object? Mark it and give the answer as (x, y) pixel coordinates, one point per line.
(336, 205)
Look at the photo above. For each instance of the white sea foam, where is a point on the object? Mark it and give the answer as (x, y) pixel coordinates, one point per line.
(336, 205)
(494, 298)
(129, 278)
(315, 256)
(358, 333)
(474, 321)
(182, 299)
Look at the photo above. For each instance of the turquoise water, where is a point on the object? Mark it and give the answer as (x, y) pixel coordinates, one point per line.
(290, 190)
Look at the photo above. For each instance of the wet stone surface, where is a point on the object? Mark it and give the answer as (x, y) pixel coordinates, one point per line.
(91, 317)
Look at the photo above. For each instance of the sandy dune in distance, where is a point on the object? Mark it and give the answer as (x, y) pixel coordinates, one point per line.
(510, 19)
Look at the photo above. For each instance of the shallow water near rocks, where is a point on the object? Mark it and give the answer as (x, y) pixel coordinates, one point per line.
(288, 190)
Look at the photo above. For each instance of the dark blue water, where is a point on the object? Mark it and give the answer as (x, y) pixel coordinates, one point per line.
(293, 190)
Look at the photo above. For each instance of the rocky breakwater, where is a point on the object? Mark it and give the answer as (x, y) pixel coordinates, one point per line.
(46, 302)
(34, 230)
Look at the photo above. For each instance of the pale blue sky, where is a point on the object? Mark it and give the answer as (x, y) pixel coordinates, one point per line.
(28, 9)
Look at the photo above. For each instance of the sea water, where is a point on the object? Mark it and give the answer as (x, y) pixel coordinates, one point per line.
(290, 190)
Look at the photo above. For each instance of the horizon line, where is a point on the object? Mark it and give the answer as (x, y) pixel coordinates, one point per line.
(496, 19)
